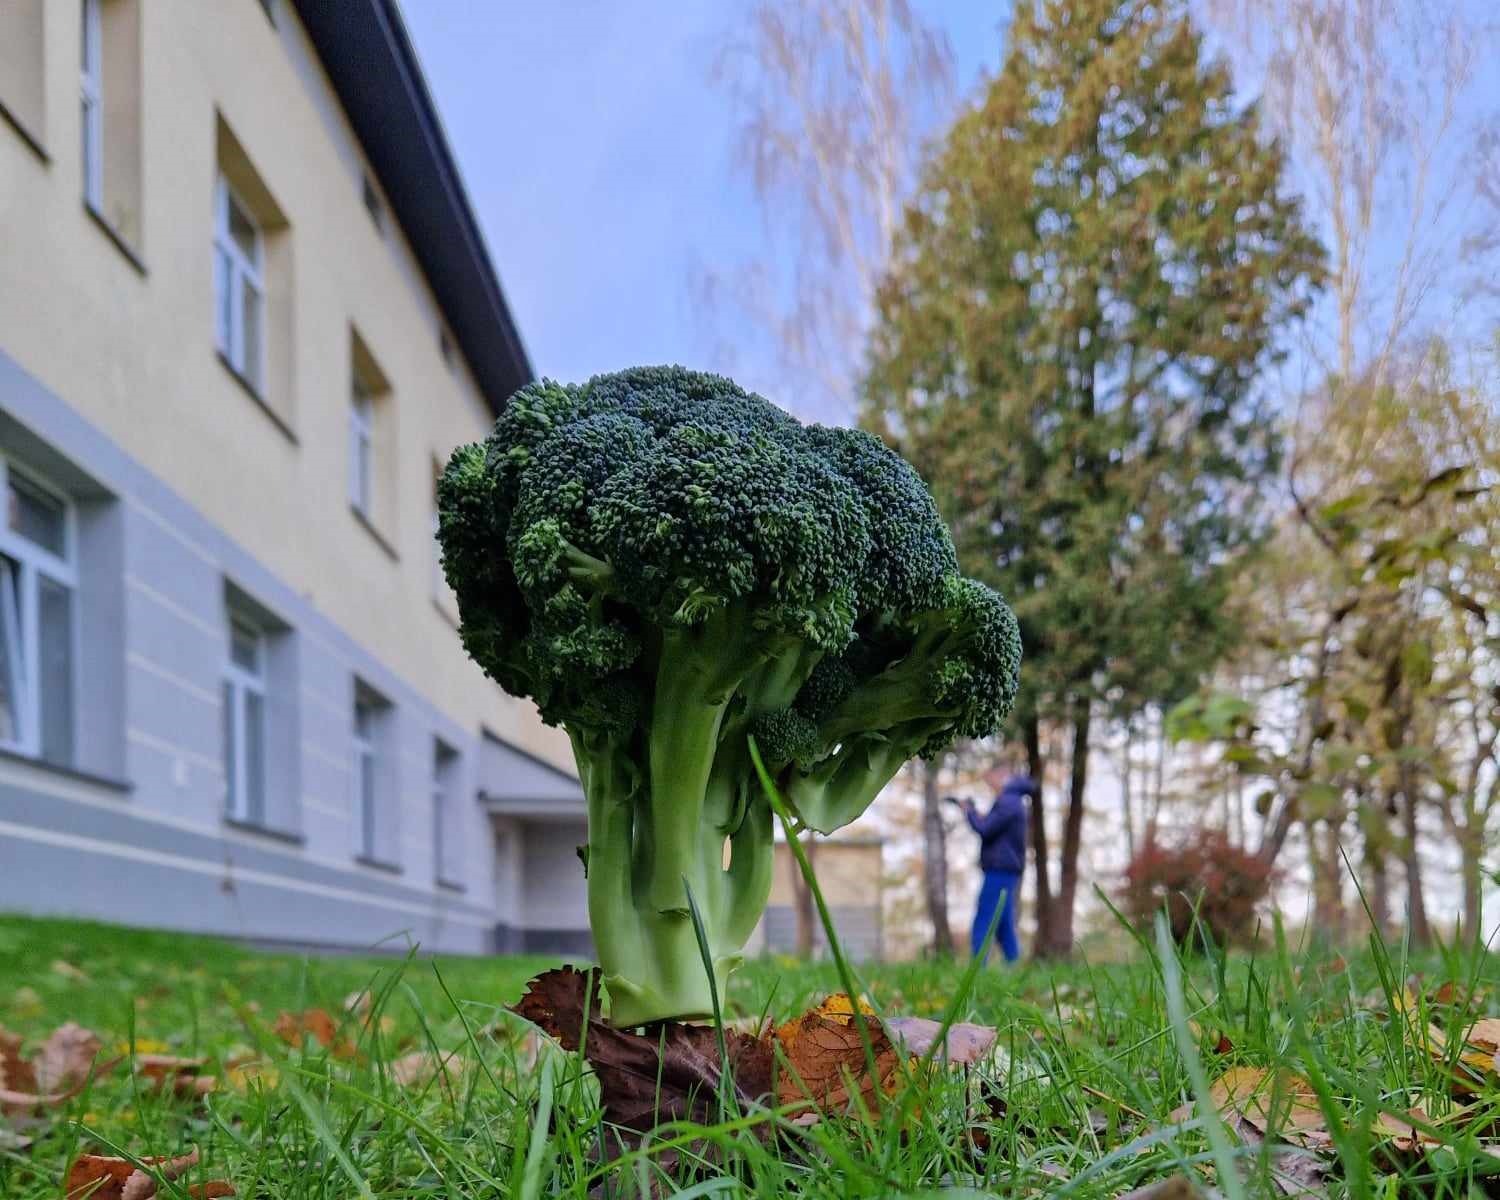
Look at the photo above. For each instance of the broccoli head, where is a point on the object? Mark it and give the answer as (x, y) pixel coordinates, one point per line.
(669, 565)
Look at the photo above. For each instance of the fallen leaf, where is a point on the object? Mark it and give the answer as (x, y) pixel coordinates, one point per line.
(825, 1054)
(1403, 1135)
(1480, 1050)
(965, 1043)
(68, 971)
(1280, 1101)
(1178, 1187)
(671, 1072)
(180, 1075)
(104, 1177)
(411, 1070)
(293, 1028)
(1294, 1172)
(65, 1058)
(58, 1072)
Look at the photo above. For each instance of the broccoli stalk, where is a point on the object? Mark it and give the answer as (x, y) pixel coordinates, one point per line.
(668, 565)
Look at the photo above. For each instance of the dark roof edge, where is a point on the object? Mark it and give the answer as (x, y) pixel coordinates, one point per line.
(370, 60)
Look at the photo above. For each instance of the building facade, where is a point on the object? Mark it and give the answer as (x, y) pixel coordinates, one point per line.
(245, 315)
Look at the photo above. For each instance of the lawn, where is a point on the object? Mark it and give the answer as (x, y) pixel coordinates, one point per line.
(1077, 1098)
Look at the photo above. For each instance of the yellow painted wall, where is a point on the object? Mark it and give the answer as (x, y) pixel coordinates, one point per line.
(135, 353)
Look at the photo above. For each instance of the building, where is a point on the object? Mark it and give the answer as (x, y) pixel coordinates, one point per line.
(245, 314)
(851, 876)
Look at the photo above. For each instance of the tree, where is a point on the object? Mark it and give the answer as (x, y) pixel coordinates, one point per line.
(831, 99)
(1099, 265)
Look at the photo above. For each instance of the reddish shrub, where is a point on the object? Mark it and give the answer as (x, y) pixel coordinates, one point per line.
(1204, 877)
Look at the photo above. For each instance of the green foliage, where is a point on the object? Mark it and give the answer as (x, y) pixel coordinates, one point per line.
(1101, 262)
(665, 564)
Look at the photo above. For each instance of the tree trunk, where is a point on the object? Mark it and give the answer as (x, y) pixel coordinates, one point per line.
(935, 861)
(1328, 883)
(1416, 905)
(1472, 849)
(1038, 825)
(1377, 887)
(807, 917)
(1061, 931)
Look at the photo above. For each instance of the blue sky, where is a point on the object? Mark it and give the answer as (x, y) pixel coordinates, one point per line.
(598, 158)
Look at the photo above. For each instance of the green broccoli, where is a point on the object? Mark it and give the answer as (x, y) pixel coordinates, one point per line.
(668, 565)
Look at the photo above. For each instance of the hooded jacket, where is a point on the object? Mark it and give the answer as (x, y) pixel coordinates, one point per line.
(1002, 830)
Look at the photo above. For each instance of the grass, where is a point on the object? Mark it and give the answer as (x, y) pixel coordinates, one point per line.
(1091, 1062)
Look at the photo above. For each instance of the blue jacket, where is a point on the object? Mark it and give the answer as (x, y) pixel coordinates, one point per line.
(1002, 830)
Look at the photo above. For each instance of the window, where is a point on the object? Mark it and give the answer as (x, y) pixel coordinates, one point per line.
(245, 722)
(373, 489)
(361, 448)
(239, 287)
(23, 99)
(446, 835)
(37, 634)
(365, 779)
(93, 103)
(373, 204)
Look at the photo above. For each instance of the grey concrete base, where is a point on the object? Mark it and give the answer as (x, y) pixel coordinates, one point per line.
(71, 849)
(567, 943)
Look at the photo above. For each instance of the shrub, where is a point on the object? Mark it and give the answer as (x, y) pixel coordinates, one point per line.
(1204, 879)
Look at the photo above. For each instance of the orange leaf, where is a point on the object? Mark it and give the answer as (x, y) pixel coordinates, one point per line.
(104, 1177)
(292, 1027)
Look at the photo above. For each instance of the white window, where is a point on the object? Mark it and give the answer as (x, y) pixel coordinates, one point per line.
(239, 288)
(365, 766)
(245, 722)
(361, 448)
(37, 634)
(92, 53)
(445, 839)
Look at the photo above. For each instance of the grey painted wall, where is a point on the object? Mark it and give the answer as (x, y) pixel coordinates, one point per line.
(147, 841)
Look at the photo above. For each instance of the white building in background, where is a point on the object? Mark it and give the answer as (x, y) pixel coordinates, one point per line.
(245, 314)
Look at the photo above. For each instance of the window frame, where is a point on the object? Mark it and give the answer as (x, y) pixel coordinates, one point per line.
(365, 755)
(361, 448)
(233, 268)
(20, 610)
(91, 88)
(444, 808)
(242, 681)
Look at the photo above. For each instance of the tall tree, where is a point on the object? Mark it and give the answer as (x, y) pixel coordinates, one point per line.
(1099, 264)
(831, 101)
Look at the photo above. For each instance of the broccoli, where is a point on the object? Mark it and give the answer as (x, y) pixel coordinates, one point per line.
(667, 566)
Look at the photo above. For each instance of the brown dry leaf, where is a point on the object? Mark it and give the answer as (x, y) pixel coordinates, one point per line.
(1405, 1136)
(671, 1072)
(416, 1068)
(1481, 1049)
(964, 1045)
(825, 1054)
(1178, 1187)
(181, 1075)
(1277, 1100)
(292, 1029)
(58, 1072)
(104, 1177)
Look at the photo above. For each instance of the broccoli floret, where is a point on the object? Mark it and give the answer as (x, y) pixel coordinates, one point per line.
(668, 565)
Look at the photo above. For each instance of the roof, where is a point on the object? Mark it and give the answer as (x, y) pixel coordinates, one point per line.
(515, 783)
(370, 61)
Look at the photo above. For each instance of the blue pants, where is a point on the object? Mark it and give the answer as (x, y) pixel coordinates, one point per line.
(995, 884)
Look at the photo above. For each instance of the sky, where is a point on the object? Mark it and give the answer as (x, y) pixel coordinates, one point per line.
(598, 157)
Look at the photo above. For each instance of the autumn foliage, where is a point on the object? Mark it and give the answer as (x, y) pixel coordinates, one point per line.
(1202, 882)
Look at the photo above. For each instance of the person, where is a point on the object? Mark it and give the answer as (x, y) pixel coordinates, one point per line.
(1002, 858)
